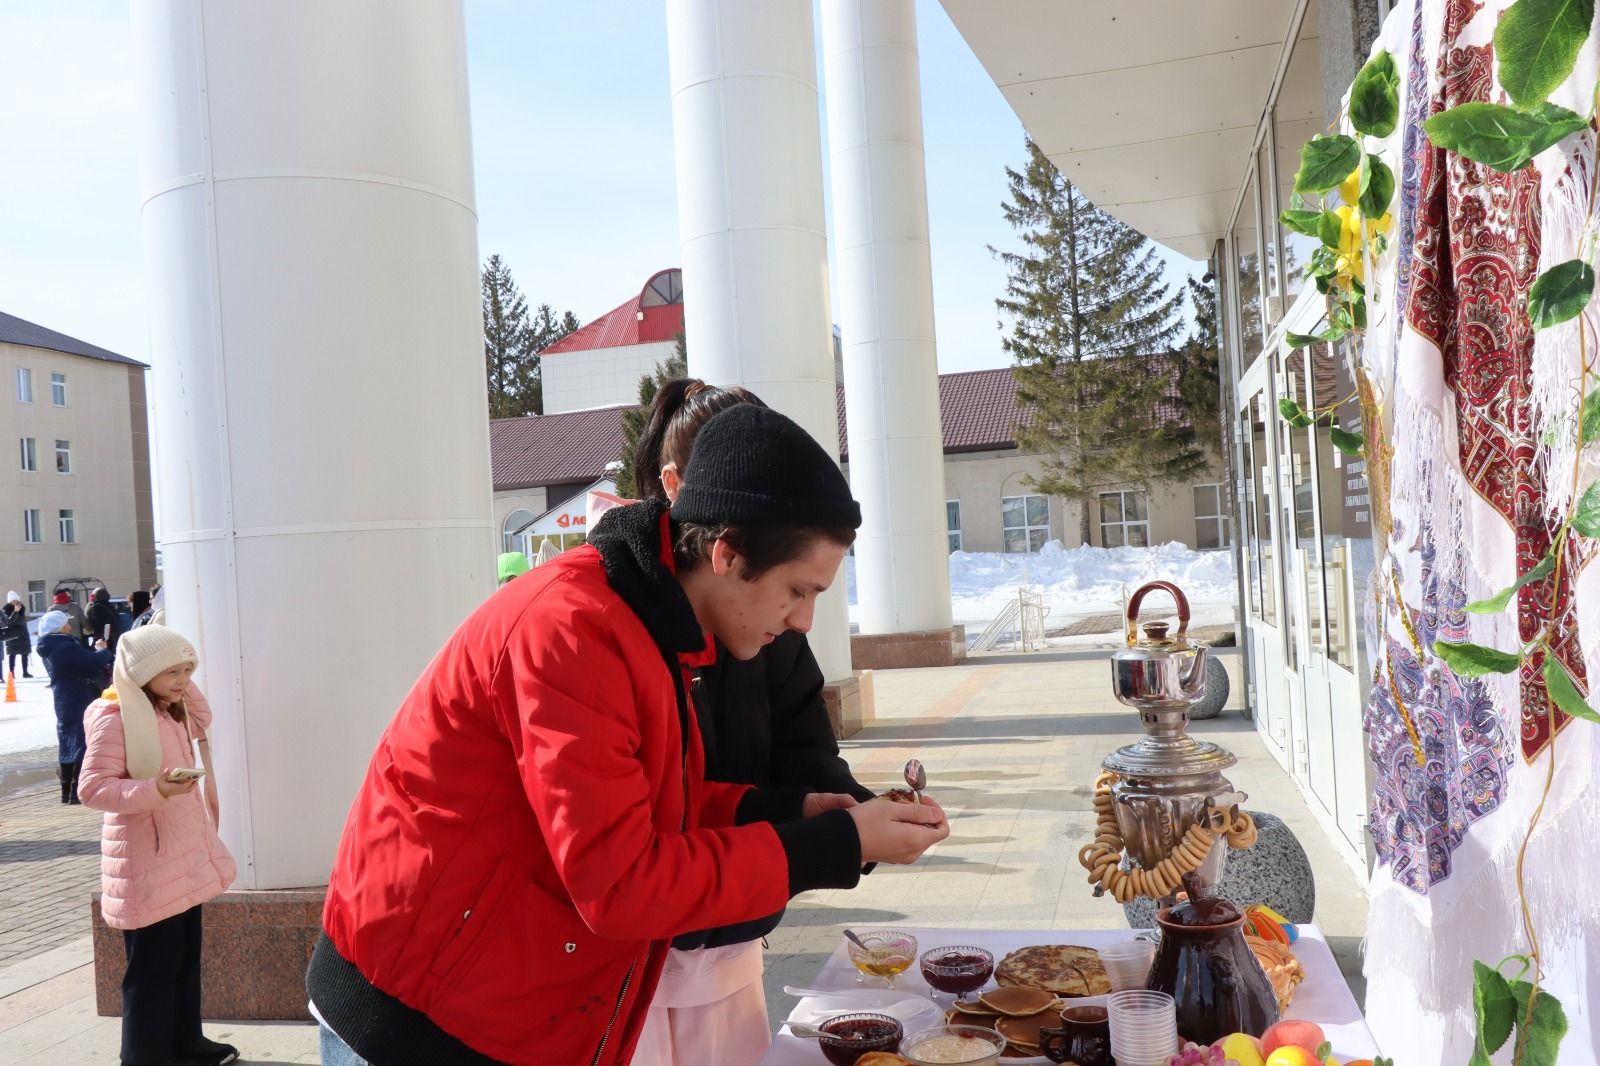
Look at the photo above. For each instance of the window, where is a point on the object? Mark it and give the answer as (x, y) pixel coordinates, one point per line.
(952, 523)
(36, 597)
(58, 389)
(1210, 523)
(63, 457)
(1124, 519)
(1025, 521)
(513, 535)
(69, 527)
(30, 526)
(30, 454)
(24, 385)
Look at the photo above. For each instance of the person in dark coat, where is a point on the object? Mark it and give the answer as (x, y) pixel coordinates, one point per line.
(77, 625)
(102, 620)
(14, 632)
(138, 606)
(77, 677)
(762, 722)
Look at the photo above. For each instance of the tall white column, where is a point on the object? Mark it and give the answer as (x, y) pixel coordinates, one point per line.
(748, 143)
(880, 226)
(315, 332)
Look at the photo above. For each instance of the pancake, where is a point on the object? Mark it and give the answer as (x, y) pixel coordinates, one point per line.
(882, 1058)
(1024, 1032)
(1065, 969)
(901, 795)
(1018, 1001)
(957, 1016)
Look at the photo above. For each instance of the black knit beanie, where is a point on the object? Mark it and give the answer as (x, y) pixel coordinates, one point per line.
(751, 466)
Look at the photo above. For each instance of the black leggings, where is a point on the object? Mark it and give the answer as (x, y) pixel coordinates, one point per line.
(161, 989)
(12, 658)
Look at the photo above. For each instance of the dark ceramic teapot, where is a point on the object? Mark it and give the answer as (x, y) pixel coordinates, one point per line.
(1204, 964)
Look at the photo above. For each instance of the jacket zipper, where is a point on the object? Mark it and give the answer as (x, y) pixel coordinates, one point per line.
(616, 1010)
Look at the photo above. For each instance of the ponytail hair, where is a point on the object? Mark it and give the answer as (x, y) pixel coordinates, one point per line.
(681, 408)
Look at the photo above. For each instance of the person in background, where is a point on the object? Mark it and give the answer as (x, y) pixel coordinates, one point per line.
(77, 676)
(160, 856)
(102, 619)
(78, 628)
(512, 564)
(158, 607)
(14, 633)
(762, 722)
(535, 824)
(139, 607)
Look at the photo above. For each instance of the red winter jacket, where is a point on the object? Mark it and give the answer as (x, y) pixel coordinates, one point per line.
(534, 827)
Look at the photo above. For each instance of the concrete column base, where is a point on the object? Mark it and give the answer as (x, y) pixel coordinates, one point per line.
(253, 963)
(849, 703)
(899, 651)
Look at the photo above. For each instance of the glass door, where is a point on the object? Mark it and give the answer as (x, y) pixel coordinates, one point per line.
(1264, 608)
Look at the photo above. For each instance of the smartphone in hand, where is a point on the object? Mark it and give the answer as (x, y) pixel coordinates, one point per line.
(185, 773)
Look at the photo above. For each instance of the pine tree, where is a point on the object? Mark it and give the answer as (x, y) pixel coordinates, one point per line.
(635, 420)
(1092, 331)
(1199, 371)
(512, 342)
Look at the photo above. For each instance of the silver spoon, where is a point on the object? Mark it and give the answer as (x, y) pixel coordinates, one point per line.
(857, 941)
(916, 777)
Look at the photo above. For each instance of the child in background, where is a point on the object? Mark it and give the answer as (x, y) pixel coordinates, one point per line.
(161, 857)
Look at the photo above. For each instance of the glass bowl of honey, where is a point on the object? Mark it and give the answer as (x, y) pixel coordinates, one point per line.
(887, 954)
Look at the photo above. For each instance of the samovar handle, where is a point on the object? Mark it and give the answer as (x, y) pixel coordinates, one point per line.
(1138, 598)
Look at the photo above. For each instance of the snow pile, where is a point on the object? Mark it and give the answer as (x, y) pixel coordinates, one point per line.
(1083, 581)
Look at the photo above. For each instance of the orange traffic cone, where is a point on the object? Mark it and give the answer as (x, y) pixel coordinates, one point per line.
(11, 686)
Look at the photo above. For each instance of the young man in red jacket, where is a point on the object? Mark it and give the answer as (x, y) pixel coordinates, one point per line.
(535, 827)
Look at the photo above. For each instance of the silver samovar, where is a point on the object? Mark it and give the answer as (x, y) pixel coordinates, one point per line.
(1168, 781)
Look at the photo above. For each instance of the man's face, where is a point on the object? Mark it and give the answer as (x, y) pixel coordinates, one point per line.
(748, 615)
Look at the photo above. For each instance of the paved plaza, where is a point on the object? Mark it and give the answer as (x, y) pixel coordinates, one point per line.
(1011, 745)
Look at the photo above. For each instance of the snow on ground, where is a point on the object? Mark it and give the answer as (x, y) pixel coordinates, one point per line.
(30, 722)
(1084, 581)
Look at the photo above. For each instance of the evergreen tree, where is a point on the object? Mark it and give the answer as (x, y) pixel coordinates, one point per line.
(635, 420)
(1199, 369)
(1093, 328)
(512, 341)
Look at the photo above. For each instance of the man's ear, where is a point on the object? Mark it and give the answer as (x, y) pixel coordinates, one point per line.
(723, 558)
(671, 481)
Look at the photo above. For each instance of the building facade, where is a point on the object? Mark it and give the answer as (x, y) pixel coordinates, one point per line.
(77, 477)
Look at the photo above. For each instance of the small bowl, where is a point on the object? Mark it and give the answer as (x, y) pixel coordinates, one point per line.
(847, 1037)
(890, 953)
(947, 1042)
(957, 968)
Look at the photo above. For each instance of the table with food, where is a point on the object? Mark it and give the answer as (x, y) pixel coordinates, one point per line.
(1218, 981)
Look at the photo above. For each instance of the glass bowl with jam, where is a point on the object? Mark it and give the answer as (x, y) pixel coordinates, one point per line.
(956, 969)
(847, 1037)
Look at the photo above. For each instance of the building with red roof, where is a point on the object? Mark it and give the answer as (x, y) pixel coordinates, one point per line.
(600, 364)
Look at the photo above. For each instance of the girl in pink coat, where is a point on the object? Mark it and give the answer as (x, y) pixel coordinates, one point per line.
(160, 856)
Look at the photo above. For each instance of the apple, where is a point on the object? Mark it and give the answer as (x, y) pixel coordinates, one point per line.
(1307, 1036)
(1242, 1048)
(1292, 1055)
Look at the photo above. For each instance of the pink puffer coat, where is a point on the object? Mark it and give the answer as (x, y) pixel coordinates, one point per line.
(158, 856)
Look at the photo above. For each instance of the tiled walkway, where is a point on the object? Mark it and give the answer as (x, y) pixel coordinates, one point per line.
(1011, 745)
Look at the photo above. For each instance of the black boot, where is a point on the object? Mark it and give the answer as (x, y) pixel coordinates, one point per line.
(72, 794)
(64, 772)
(209, 1053)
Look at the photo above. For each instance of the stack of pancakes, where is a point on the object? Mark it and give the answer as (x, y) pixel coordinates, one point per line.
(1035, 983)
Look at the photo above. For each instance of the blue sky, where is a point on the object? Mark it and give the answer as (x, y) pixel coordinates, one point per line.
(572, 137)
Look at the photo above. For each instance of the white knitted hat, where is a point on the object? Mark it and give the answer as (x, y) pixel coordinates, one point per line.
(142, 654)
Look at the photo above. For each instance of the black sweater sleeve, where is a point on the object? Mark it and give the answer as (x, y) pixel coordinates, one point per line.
(804, 751)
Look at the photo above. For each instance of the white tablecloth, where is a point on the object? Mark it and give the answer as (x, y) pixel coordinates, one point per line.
(1323, 997)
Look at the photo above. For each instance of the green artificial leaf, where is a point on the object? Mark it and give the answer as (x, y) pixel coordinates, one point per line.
(1323, 1051)
(1306, 222)
(1553, 434)
(1301, 340)
(1589, 424)
(1495, 1007)
(1339, 317)
(1329, 229)
(1560, 293)
(1325, 162)
(1501, 138)
(1586, 516)
(1293, 413)
(1358, 307)
(1345, 441)
(1500, 600)
(1375, 97)
(1474, 660)
(1538, 1041)
(1377, 187)
(1563, 693)
(1537, 42)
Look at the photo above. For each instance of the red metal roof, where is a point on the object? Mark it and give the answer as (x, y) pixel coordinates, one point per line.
(634, 322)
(554, 449)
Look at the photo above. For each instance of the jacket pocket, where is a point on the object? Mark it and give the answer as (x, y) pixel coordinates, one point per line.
(155, 829)
(475, 917)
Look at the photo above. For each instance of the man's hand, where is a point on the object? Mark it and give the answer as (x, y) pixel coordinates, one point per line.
(817, 802)
(898, 832)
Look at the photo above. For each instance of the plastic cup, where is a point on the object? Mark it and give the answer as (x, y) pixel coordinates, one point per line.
(1128, 965)
(1144, 1027)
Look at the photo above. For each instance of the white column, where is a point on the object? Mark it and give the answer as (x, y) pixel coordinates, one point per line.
(748, 143)
(315, 332)
(891, 375)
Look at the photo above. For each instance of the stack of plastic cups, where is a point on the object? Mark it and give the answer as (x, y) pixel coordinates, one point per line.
(1144, 1027)
(1128, 965)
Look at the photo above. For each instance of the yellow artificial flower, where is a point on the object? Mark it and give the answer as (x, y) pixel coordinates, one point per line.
(1349, 231)
(1350, 188)
(1377, 227)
